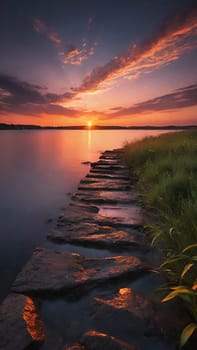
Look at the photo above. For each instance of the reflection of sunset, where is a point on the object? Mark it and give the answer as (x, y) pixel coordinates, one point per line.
(34, 324)
(127, 299)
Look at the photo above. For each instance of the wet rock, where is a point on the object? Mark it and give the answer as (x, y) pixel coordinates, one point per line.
(85, 207)
(105, 161)
(139, 316)
(98, 176)
(105, 197)
(106, 185)
(110, 168)
(76, 230)
(78, 213)
(75, 347)
(95, 236)
(136, 313)
(94, 340)
(120, 172)
(20, 324)
(51, 271)
(111, 157)
(117, 216)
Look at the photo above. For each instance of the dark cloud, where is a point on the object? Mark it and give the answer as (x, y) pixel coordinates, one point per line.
(20, 92)
(22, 97)
(180, 98)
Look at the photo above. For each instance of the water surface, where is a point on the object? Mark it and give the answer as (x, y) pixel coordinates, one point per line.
(38, 172)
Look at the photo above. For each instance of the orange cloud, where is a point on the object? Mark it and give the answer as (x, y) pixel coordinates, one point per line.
(76, 55)
(174, 38)
(41, 27)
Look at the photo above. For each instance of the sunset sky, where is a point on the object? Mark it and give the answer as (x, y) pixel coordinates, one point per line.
(110, 62)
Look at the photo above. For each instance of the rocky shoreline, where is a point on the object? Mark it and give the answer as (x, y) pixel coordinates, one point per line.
(92, 285)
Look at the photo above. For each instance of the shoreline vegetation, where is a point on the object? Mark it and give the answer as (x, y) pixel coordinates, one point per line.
(4, 126)
(165, 170)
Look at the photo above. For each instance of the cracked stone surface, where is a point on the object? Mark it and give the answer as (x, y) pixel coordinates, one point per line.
(20, 324)
(51, 271)
(92, 235)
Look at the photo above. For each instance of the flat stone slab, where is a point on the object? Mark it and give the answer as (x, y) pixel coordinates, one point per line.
(98, 176)
(93, 222)
(105, 161)
(120, 172)
(110, 168)
(77, 213)
(136, 313)
(105, 237)
(94, 340)
(20, 324)
(105, 197)
(106, 185)
(139, 316)
(55, 272)
(124, 215)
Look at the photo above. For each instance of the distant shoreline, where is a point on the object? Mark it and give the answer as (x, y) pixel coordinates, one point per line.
(96, 127)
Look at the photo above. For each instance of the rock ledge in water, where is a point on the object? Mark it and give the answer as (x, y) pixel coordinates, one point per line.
(50, 271)
(20, 324)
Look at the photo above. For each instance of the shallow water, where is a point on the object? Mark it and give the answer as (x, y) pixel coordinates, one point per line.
(39, 170)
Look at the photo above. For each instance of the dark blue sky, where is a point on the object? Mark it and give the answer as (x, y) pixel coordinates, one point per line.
(64, 62)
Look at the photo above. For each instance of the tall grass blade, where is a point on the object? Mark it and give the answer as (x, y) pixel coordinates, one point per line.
(186, 333)
(186, 269)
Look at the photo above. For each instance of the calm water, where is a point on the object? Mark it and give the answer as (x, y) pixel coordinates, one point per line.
(38, 172)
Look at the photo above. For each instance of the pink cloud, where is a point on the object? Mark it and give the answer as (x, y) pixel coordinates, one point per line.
(76, 55)
(41, 27)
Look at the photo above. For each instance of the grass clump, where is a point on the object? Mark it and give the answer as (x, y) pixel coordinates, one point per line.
(166, 172)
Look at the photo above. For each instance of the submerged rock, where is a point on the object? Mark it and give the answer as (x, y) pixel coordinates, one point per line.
(94, 340)
(20, 324)
(51, 271)
(136, 313)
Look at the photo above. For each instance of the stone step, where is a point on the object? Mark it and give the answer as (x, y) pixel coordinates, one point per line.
(50, 272)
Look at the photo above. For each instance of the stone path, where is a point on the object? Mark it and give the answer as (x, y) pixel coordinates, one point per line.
(91, 286)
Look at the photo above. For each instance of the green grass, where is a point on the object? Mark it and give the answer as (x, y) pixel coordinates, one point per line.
(165, 168)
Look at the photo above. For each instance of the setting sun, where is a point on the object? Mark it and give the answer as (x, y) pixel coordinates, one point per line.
(89, 124)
